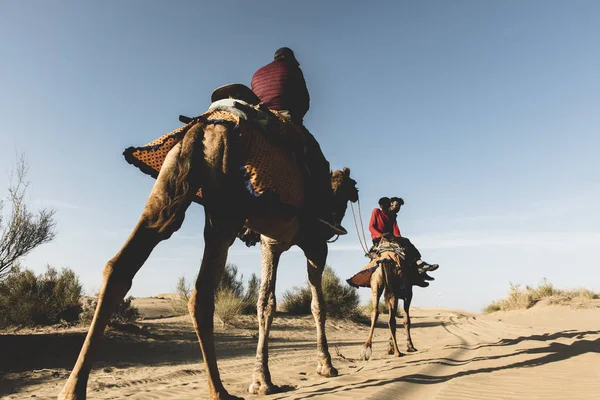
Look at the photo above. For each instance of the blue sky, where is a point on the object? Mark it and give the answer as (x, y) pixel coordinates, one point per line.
(483, 116)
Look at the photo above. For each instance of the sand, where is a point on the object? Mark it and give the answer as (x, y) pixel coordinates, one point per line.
(546, 352)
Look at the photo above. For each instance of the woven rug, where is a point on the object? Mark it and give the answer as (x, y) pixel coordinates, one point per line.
(363, 277)
(270, 166)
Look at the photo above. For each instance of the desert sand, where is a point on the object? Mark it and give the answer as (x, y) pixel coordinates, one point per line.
(546, 352)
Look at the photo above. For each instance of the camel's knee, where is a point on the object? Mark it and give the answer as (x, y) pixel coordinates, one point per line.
(115, 273)
(163, 222)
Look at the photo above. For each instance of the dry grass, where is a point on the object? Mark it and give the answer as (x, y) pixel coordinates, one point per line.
(523, 298)
(228, 306)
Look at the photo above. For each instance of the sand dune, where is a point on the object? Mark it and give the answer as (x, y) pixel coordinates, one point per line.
(546, 352)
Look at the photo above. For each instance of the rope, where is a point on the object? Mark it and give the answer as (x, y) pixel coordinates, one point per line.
(362, 227)
(364, 247)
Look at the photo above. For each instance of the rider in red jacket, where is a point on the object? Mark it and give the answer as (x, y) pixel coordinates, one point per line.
(384, 224)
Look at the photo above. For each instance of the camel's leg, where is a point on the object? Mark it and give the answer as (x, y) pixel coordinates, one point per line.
(316, 255)
(119, 271)
(409, 344)
(393, 344)
(266, 306)
(376, 291)
(219, 234)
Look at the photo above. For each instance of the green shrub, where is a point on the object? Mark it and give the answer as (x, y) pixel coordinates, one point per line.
(341, 300)
(45, 299)
(296, 301)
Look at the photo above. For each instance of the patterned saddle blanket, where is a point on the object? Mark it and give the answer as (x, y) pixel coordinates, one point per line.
(385, 252)
(270, 166)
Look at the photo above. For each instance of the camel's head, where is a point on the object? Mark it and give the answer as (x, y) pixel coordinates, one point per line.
(344, 186)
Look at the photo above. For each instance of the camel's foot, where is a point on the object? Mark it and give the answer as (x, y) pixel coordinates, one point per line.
(327, 370)
(224, 396)
(262, 388)
(410, 348)
(70, 393)
(365, 353)
(394, 352)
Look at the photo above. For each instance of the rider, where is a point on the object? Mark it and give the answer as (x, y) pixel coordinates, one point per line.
(384, 224)
(280, 86)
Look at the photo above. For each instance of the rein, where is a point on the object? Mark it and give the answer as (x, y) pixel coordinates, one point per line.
(363, 245)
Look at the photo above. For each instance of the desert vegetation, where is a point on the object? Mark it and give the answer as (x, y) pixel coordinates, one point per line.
(520, 298)
(231, 298)
(341, 300)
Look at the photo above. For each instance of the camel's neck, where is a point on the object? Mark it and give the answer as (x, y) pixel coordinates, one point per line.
(340, 205)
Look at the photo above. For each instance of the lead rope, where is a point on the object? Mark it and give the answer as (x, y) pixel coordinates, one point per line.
(362, 227)
(363, 246)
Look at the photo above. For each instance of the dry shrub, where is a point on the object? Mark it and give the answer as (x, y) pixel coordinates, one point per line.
(519, 299)
(126, 313)
(228, 306)
(229, 282)
(183, 291)
(27, 299)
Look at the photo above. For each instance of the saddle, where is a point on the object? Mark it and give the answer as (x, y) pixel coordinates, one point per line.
(384, 252)
(268, 138)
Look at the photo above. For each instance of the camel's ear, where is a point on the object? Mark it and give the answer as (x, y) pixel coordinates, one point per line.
(347, 171)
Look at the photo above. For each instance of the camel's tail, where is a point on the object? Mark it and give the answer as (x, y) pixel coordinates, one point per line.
(187, 173)
(387, 278)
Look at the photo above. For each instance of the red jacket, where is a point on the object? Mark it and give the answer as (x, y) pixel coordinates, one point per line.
(280, 85)
(382, 223)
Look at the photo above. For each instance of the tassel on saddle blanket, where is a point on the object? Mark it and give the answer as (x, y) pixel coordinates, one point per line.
(269, 166)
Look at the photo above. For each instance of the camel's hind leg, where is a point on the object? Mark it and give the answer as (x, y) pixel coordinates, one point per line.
(266, 306)
(376, 290)
(409, 344)
(151, 229)
(393, 309)
(317, 256)
(219, 234)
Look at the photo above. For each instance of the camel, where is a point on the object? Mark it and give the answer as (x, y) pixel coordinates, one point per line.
(397, 281)
(209, 157)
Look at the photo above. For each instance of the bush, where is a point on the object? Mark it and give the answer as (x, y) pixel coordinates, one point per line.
(341, 300)
(228, 306)
(519, 299)
(296, 301)
(125, 313)
(230, 282)
(251, 297)
(46, 299)
(183, 291)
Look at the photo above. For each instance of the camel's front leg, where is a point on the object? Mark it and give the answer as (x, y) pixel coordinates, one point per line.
(409, 344)
(266, 306)
(376, 290)
(154, 225)
(317, 255)
(393, 344)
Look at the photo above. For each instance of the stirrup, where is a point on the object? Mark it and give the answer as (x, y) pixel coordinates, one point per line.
(337, 229)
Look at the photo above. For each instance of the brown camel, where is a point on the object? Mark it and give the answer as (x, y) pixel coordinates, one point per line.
(397, 281)
(209, 157)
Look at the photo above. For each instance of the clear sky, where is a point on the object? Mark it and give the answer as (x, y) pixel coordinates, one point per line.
(483, 116)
